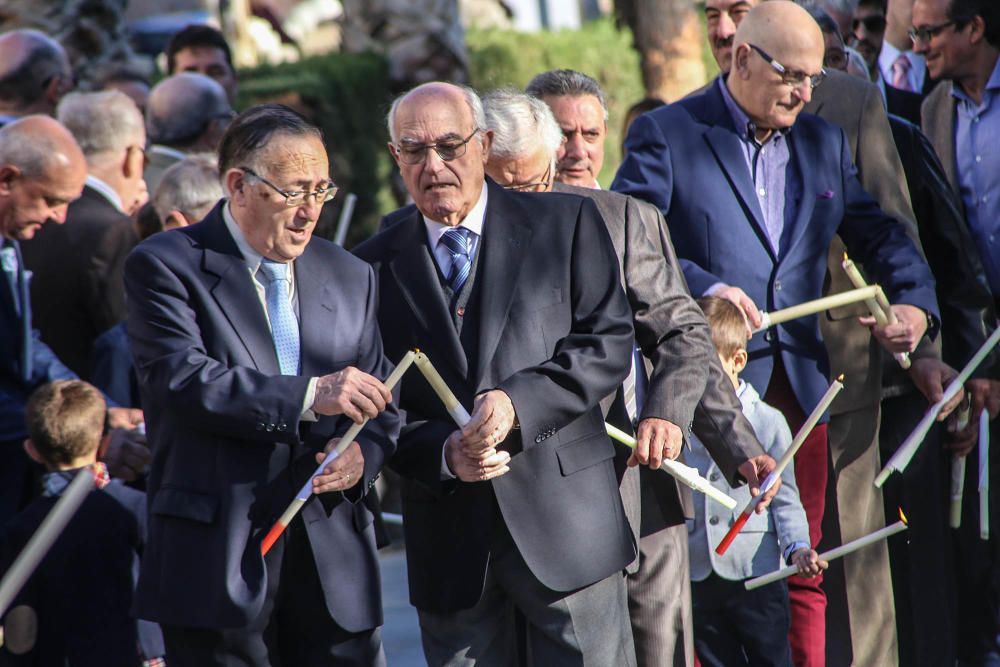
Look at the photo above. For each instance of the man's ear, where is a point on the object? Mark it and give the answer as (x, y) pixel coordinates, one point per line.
(8, 174)
(393, 153)
(487, 144)
(32, 451)
(235, 182)
(175, 219)
(741, 64)
(977, 30)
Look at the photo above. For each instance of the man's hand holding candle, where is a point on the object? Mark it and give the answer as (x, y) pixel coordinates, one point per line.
(931, 377)
(352, 393)
(754, 471)
(656, 441)
(344, 472)
(984, 395)
(808, 562)
(904, 335)
(471, 453)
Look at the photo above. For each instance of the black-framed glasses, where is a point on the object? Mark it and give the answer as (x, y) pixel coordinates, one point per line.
(928, 32)
(536, 186)
(873, 23)
(293, 199)
(835, 59)
(789, 77)
(446, 150)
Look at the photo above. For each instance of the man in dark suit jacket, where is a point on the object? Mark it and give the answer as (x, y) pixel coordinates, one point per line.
(41, 171)
(519, 307)
(243, 368)
(780, 258)
(78, 292)
(676, 352)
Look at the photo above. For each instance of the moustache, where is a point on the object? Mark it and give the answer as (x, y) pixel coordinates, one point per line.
(723, 42)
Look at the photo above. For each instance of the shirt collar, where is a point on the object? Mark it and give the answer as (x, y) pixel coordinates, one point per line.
(745, 128)
(105, 190)
(250, 256)
(993, 83)
(473, 221)
(887, 56)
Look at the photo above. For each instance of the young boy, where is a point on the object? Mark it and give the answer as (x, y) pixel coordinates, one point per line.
(74, 610)
(734, 626)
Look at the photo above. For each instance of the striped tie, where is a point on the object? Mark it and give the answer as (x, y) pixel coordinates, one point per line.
(457, 241)
(284, 325)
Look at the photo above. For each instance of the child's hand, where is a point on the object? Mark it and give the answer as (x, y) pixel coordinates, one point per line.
(808, 562)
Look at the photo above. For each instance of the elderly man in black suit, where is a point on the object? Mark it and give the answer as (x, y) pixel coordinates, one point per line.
(515, 297)
(256, 346)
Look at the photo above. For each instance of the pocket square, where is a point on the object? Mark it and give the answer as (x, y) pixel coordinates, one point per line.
(826, 194)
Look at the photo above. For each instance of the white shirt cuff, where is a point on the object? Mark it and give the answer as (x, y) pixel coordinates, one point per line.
(307, 413)
(446, 474)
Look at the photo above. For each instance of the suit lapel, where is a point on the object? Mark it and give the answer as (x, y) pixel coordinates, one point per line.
(317, 314)
(505, 238)
(235, 294)
(940, 126)
(803, 156)
(416, 274)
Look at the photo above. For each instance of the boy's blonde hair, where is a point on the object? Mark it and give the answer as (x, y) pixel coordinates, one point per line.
(65, 420)
(729, 328)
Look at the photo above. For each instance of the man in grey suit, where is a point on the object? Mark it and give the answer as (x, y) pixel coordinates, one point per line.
(675, 352)
(515, 298)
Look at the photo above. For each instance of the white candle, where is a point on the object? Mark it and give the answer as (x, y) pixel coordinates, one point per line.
(958, 474)
(816, 306)
(878, 306)
(40, 543)
(832, 554)
(437, 383)
(984, 475)
(344, 222)
(901, 459)
(682, 473)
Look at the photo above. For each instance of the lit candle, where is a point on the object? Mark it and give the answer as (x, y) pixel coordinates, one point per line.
(878, 306)
(684, 474)
(984, 475)
(437, 383)
(816, 306)
(831, 393)
(901, 459)
(345, 441)
(832, 554)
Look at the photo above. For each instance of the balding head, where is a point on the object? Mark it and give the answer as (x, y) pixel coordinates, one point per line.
(189, 112)
(786, 35)
(445, 182)
(41, 171)
(34, 73)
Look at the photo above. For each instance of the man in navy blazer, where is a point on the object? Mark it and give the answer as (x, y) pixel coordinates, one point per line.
(753, 203)
(256, 347)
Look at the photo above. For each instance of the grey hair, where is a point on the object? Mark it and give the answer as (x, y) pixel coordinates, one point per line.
(188, 186)
(179, 119)
(566, 83)
(32, 153)
(521, 125)
(102, 122)
(471, 99)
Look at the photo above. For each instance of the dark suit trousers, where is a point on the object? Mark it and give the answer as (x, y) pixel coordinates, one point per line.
(807, 599)
(19, 477)
(293, 629)
(734, 626)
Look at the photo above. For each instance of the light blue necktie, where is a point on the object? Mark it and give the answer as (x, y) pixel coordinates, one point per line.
(457, 241)
(8, 262)
(284, 325)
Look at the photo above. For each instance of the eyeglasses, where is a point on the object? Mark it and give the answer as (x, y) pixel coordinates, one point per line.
(928, 32)
(873, 23)
(790, 77)
(536, 186)
(835, 59)
(293, 199)
(446, 150)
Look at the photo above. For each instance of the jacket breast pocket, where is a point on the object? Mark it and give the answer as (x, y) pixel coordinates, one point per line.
(584, 453)
(185, 504)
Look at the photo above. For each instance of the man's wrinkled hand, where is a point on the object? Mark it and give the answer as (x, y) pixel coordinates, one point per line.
(656, 441)
(808, 562)
(746, 305)
(127, 418)
(903, 336)
(931, 377)
(491, 422)
(127, 454)
(352, 393)
(344, 472)
(754, 471)
(984, 394)
(475, 464)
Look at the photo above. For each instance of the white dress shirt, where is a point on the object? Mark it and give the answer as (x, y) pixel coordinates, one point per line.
(106, 191)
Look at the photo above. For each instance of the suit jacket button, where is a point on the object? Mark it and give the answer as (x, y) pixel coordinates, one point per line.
(777, 285)
(259, 426)
(269, 428)
(539, 438)
(768, 336)
(714, 520)
(714, 477)
(282, 426)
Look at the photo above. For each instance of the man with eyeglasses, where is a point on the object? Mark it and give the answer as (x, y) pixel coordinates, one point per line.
(961, 41)
(753, 193)
(256, 346)
(900, 66)
(673, 336)
(515, 298)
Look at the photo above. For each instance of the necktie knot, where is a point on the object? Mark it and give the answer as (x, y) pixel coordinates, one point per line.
(901, 72)
(273, 270)
(458, 241)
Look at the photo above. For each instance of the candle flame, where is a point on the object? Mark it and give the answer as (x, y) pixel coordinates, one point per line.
(902, 517)
(840, 378)
(416, 350)
(846, 258)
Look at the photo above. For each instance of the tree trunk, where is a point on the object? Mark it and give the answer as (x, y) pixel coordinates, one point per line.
(669, 38)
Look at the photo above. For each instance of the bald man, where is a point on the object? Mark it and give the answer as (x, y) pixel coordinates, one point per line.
(186, 114)
(753, 193)
(34, 74)
(41, 171)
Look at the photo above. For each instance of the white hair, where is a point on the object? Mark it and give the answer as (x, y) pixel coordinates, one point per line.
(521, 125)
(189, 186)
(102, 122)
(471, 98)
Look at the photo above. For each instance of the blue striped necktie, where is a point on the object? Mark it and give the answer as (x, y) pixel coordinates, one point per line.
(457, 241)
(284, 325)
